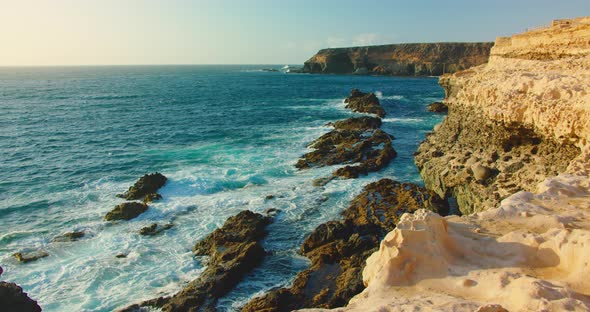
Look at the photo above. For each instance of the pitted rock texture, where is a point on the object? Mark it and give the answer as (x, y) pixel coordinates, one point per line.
(513, 122)
(480, 161)
(338, 249)
(413, 59)
(520, 118)
(528, 254)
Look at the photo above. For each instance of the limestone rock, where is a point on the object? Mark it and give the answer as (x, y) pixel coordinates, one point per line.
(126, 211)
(418, 59)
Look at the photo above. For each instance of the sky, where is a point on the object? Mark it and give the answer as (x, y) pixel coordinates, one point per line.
(122, 32)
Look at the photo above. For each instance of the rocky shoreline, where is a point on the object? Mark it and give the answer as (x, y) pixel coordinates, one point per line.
(339, 249)
(514, 152)
(356, 142)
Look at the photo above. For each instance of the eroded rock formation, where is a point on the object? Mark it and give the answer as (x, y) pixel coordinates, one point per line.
(126, 211)
(232, 250)
(145, 188)
(361, 102)
(512, 124)
(414, 59)
(338, 249)
(356, 141)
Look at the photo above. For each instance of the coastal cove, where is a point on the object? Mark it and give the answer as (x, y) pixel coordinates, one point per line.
(226, 137)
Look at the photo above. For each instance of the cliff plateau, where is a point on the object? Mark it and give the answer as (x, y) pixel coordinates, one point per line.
(411, 59)
(515, 152)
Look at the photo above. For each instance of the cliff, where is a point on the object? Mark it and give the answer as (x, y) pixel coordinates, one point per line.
(515, 153)
(412, 59)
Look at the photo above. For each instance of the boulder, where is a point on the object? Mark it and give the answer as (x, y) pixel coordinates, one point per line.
(126, 211)
(146, 185)
(14, 299)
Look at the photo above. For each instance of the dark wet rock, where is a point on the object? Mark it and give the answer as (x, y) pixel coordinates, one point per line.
(358, 123)
(1, 271)
(322, 181)
(14, 299)
(338, 249)
(121, 256)
(25, 257)
(371, 150)
(233, 251)
(126, 211)
(271, 212)
(69, 237)
(361, 102)
(269, 197)
(155, 229)
(148, 184)
(151, 197)
(438, 107)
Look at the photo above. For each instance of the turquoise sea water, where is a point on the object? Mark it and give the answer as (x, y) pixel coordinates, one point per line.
(226, 137)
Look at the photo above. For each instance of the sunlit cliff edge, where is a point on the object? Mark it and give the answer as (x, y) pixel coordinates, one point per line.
(523, 184)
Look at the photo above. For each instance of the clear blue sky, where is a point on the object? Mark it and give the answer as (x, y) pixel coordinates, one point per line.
(74, 32)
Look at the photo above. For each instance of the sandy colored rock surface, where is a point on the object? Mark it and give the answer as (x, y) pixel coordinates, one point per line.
(530, 252)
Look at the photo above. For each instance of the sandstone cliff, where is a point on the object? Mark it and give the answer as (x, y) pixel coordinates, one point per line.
(413, 59)
(515, 150)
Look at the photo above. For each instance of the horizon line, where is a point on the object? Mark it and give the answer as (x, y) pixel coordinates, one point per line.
(163, 64)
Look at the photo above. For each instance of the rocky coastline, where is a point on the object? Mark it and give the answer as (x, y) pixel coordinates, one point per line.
(514, 152)
(356, 142)
(412, 59)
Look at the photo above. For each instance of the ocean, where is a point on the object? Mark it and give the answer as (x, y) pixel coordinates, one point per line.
(71, 138)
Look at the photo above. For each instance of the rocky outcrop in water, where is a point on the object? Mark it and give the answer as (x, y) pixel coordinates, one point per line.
(145, 188)
(126, 211)
(361, 102)
(232, 250)
(14, 299)
(371, 149)
(155, 229)
(69, 237)
(356, 141)
(512, 124)
(338, 249)
(30, 256)
(414, 59)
